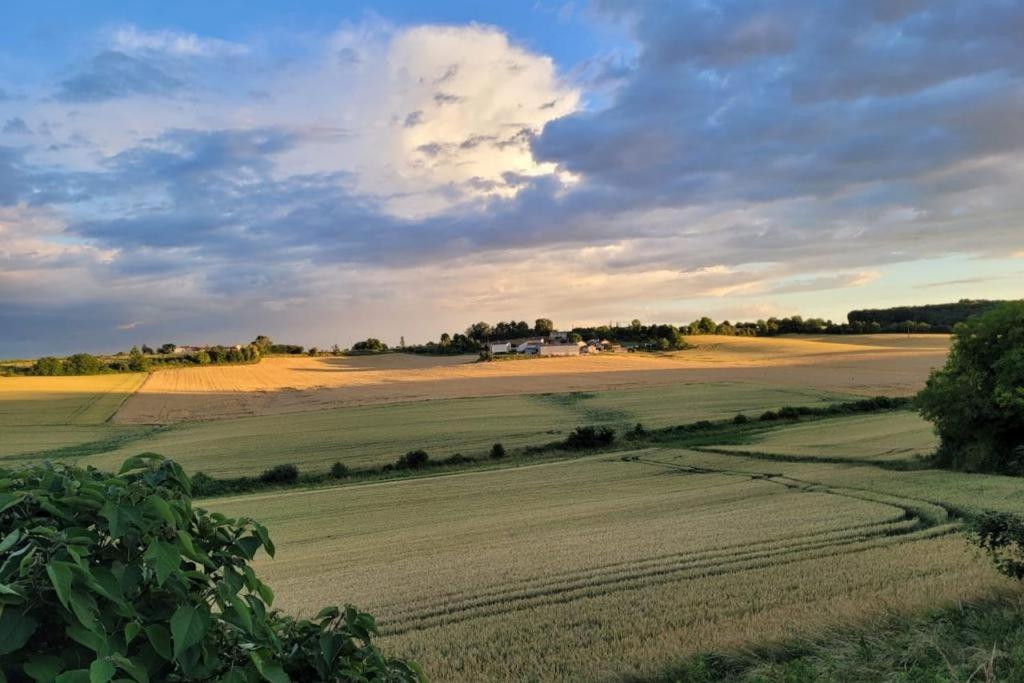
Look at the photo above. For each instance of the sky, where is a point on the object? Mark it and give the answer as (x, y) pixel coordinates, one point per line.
(205, 172)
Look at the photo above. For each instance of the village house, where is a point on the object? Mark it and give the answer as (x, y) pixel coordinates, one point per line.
(572, 349)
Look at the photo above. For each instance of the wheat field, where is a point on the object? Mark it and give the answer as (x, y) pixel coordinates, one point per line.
(609, 567)
(277, 385)
(370, 436)
(901, 435)
(44, 413)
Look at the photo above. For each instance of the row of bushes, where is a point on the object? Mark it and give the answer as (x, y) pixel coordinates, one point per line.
(289, 474)
(582, 438)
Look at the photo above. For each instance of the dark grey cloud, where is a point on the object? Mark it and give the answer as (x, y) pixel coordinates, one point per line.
(757, 101)
(112, 74)
(16, 126)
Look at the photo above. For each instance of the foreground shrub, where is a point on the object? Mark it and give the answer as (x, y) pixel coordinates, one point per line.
(1002, 536)
(977, 399)
(280, 474)
(118, 577)
(413, 460)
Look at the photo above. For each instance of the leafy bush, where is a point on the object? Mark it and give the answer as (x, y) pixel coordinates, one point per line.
(48, 366)
(497, 451)
(108, 577)
(740, 419)
(977, 399)
(339, 471)
(1002, 536)
(583, 438)
(280, 474)
(413, 460)
(636, 432)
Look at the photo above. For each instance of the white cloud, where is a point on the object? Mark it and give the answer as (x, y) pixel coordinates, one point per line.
(132, 39)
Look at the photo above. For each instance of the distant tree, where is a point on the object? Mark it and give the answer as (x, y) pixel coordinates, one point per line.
(446, 339)
(168, 349)
(543, 327)
(339, 470)
(977, 399)
(202, 358)
(401, 341)
(636, 324)
(313, 351)
(497, 451)
(280, 474)
(413, 460)
(480, 331)
(148, 349)
(136, 361)
(370, 344)
(48, 366)
(335, 350)
(575, 337)
(263, 343)
(83, 364)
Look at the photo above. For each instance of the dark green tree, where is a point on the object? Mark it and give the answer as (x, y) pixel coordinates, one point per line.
(542, 327)
(976, 400)
(137, 362)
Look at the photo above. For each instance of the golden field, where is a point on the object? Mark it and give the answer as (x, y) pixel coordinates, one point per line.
(872, 364)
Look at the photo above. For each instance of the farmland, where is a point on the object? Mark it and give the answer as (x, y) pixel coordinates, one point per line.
(615, 566)
(894, 436)
(370, 436)
(44, 413)
(295, 384)
(609, 566)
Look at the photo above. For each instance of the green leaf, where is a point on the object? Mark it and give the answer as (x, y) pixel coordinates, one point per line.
(131, 630)
(187, 628)
(9, 540)
(160, 638)
(15, 630)
(111, 510)
(135, 670)
(60, 576)
(9, 499)
(137, 462)
(165, 559)
(84, 607)
(162, 509)
(269, 670)
(101, 671)
(75, 676)
(44, 668)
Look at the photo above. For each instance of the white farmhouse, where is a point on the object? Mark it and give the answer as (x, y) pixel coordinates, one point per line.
(561, 349)
(500, 347)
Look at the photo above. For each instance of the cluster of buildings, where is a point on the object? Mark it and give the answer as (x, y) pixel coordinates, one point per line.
(556, 344)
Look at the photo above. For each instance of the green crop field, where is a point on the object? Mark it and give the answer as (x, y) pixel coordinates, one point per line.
(901, 435)
(615, 566)
(39, 414)
(375, 435)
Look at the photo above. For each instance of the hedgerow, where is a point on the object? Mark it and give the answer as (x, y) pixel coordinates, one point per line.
(106, 577)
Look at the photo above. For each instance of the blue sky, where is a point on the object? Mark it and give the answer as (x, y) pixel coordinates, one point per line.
(204, 172)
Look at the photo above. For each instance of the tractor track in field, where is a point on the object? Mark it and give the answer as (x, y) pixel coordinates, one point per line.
(914, 520)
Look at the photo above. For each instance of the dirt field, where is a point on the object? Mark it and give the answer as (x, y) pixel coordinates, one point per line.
(877, 364)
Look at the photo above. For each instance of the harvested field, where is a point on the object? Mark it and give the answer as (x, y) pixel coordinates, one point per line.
(900, 435)
(364, 436)
(601, 568)
(294, 384)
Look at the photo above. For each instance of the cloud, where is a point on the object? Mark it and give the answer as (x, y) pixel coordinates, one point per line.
(130, 39)
(129, 326)
(16, 126)
(112, 74)
(739, 156)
